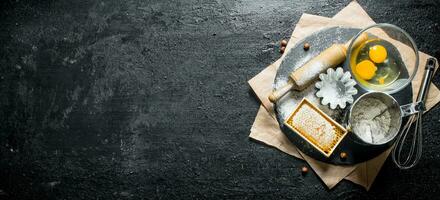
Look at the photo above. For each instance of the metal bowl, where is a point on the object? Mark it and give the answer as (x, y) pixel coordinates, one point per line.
(389, 105)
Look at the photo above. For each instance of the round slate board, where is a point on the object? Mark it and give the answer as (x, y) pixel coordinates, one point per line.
(357, 151)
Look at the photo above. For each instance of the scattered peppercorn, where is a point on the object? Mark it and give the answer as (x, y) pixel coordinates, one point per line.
(306, 46)
(282, 49)
(343, 155)
(304, 169)
(283, 43)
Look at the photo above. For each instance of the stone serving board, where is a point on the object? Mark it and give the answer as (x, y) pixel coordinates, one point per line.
(357, 151)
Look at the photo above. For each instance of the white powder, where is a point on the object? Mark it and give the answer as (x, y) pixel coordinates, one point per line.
(371, 120)
(314, 68)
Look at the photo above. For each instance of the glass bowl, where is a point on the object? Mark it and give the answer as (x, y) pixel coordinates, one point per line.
(386, 62)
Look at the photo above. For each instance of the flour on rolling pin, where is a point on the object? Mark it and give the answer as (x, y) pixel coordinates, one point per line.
(314, 69)
(307, 73)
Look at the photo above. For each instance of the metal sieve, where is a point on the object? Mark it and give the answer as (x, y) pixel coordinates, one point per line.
(396, 111)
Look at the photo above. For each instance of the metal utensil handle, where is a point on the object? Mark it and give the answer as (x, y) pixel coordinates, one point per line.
(415, 151)
(412, 108)
(429, 71)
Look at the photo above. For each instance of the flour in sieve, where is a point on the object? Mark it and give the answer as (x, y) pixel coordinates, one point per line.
(371, 120)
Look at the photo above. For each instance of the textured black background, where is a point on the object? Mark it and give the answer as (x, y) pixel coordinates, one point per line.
(148, 99)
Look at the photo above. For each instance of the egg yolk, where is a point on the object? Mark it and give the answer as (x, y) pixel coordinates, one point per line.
(366, 69)
(377, 53)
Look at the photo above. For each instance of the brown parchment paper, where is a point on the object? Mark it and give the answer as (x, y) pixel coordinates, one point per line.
(266, 129)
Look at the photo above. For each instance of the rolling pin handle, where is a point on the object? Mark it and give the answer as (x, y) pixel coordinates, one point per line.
(277, 94)
(360, 39)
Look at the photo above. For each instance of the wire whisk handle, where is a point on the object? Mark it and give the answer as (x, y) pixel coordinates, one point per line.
(415, 151)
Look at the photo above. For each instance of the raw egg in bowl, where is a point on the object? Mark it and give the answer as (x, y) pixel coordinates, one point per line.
(386, 62)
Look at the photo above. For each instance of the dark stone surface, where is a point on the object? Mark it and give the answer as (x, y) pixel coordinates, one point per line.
(148, 100)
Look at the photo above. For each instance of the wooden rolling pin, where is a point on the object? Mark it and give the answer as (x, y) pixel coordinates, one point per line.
(306, 74)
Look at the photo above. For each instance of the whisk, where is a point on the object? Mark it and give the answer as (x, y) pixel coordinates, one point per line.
(415, 151)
